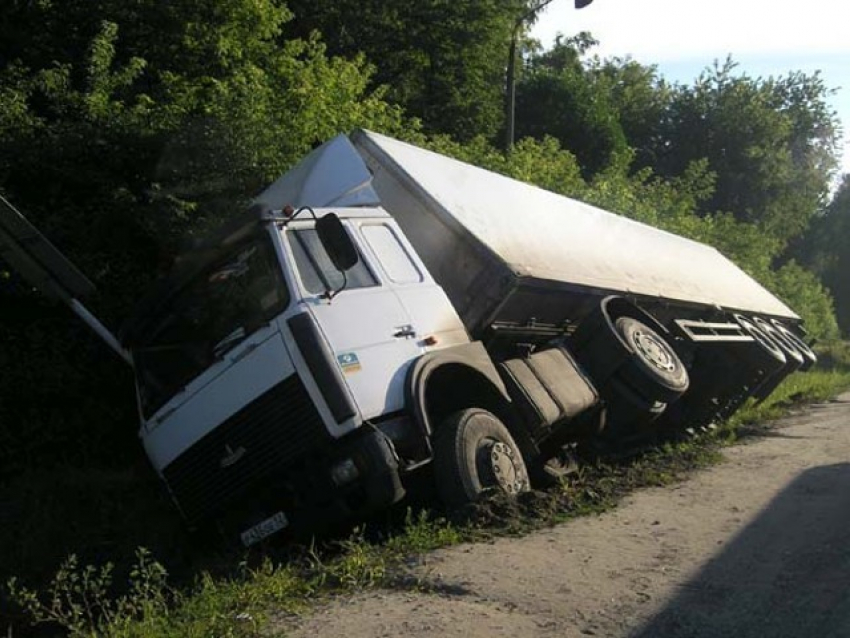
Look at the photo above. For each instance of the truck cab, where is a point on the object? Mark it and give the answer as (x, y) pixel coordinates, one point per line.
(260, 364)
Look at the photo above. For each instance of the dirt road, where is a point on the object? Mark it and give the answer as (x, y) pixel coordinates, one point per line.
(756, 546)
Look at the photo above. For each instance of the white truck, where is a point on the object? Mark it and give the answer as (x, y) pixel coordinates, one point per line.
(382, 310)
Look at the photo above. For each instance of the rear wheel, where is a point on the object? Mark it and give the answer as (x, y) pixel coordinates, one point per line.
(808, 354)
(474, 453)
(654, 370)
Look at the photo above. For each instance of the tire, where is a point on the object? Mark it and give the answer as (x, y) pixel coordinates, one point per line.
(766, 361)
(795, 358)
(808, 354)
(474, 453)
(654, 370)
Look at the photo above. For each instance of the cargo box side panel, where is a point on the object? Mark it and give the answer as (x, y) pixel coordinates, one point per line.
(552, 303)
(536, 302)
(540, 235)
(476, 281)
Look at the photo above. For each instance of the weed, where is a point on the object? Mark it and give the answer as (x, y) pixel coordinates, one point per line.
(79, 599)
(422, 532)
(359, 565)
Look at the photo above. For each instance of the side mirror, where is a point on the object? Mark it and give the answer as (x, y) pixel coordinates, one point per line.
(336, 242)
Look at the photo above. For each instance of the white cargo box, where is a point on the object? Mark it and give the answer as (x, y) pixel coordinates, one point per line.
(508, 251)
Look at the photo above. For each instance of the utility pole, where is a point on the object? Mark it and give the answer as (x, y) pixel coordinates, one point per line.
(510, 102)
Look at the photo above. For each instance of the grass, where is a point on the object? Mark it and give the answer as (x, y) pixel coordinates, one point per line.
(813, 386)
(79, 599)
(242, 593)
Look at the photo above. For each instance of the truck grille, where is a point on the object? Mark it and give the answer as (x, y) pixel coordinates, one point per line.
(278, 427)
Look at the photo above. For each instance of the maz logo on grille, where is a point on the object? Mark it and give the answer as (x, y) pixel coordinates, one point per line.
(231, 457)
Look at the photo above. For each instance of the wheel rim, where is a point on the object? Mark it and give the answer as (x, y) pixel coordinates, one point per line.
(498, 463)
(654, 351)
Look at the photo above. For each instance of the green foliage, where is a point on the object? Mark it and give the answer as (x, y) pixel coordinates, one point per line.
(360, 565)
(816, 385)
(802, 291)
(540, 162)
(640, 97)
(443, 61)
(770, 142)
(188, 138)
(82, 600)
(561, 97)
(78, 598)
(833, 355)
(87, 600)
(826, 249)
(422, 533)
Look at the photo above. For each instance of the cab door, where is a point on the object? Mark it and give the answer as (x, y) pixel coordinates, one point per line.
(434, 318)
(365, 323)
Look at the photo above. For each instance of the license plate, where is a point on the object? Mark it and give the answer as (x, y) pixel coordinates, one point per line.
(263, 529)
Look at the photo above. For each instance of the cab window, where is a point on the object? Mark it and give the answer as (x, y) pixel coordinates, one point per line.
(317, 272)
(393, 257)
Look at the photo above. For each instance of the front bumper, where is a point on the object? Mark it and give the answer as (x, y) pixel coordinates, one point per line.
(312, 499)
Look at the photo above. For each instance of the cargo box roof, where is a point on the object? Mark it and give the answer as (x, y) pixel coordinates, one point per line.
(543, 235)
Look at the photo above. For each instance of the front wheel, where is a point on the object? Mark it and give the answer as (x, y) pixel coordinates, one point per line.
(473, 453)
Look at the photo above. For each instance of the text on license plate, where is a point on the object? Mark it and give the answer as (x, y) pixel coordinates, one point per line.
(265, 528)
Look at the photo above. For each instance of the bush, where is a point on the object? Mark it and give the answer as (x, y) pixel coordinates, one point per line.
(79, 598)
(833, 355)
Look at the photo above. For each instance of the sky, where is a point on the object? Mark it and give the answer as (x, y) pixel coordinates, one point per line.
(682, 37)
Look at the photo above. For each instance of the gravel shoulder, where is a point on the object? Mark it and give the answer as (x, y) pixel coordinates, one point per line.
(755, 546)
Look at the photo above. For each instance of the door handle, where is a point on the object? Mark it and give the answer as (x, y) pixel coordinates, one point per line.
(405, 331)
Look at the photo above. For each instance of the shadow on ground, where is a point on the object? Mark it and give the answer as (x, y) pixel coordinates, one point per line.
(786, 574)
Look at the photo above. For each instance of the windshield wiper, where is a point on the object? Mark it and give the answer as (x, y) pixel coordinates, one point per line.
(228, 342)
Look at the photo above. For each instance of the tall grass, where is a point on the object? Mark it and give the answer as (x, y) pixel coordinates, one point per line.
(798, 389)
(80, 599)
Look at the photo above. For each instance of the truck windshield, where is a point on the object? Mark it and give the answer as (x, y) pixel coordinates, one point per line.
(214, 312)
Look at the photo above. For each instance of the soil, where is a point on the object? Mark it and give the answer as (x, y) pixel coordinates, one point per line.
(758, 545)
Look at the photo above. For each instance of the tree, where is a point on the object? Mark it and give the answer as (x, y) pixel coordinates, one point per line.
(559, 96)
(641, 98)
(443, 61)
(770, 142)
(826, 249)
